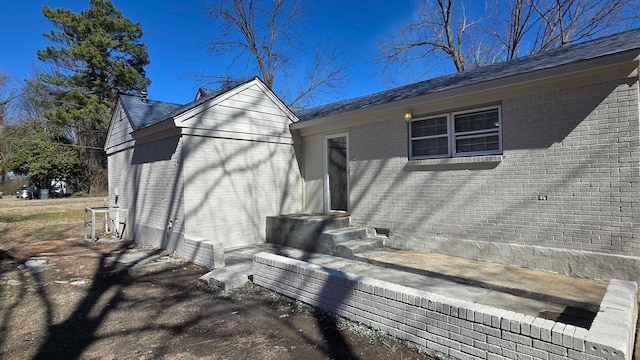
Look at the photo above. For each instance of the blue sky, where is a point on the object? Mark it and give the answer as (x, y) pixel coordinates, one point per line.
(176, 34)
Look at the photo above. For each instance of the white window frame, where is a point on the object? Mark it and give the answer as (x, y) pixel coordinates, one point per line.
(448, 136)
(452, 136)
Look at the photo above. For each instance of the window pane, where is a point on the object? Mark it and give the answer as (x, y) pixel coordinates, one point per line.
(481, 120)
(430, 147)
(483, 143)
(429, 127)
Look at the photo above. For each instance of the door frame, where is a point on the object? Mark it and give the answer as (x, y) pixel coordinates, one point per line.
(327, 190)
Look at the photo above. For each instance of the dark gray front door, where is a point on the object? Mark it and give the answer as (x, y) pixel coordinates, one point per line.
(337, 179)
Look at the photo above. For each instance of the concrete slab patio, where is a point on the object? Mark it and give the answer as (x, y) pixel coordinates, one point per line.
(445, 325)
(585, 316)
(530, 292)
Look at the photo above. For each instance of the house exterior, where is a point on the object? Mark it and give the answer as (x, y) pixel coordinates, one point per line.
(206, 171)
(532, 162)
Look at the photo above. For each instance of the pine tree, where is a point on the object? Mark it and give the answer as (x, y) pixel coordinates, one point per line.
(99, 55)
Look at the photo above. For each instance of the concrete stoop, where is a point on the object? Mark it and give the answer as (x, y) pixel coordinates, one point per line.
(331, 235)
(321, 233)
(301, 231)
(343, 242)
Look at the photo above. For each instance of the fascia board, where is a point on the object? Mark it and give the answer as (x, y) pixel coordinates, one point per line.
(162, 126)
(158, 135)
(236, 135)
(113, 114)
(123, 146)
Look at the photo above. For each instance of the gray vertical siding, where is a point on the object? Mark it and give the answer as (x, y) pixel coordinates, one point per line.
(232, 185)
(244, 171)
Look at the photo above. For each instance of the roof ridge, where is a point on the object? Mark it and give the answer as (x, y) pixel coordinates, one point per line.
(149, 100)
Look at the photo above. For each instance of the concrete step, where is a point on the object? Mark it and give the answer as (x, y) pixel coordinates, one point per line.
(225, 279)
(349, 249)
(301, 231)
(328, 240)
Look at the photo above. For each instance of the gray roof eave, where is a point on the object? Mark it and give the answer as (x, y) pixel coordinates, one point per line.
(154, 128)
(143, 113)
(494, 84)
(626, 42)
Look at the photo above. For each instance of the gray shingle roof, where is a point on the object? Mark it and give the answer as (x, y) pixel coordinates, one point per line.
(207, 92)
(206, 96)
(145, 113)
(608, 45)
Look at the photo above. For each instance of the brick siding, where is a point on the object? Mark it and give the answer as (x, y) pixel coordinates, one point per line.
(577, 146)
(149, 183)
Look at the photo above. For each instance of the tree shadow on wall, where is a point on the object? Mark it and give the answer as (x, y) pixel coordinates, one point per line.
(169, 197)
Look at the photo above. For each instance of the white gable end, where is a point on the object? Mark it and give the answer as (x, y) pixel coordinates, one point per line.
(247, 112)
(119, 134)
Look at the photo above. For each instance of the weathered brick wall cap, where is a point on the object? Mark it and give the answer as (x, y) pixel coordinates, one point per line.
(204, 252)
(612, 332)
(452, 327)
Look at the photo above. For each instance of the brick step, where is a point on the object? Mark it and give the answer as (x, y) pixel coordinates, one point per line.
(349, 249)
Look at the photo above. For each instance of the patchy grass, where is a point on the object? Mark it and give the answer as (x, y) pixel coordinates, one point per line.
(23, 222)
(87, 306)
(14, 218)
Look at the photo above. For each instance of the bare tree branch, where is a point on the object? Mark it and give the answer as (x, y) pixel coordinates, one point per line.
(568, 21)
(8, 94)
(511, 26)
(326, 75)
(263, 34)
(443, 32)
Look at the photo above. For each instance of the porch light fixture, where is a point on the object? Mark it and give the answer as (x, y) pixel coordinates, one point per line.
(408, 115)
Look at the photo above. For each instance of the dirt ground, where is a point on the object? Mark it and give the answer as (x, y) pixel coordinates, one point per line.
(65, 298)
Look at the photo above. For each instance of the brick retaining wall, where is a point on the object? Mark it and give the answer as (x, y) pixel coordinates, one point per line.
(451, 327)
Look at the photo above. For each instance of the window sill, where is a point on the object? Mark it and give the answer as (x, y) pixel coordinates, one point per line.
(483, 160)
